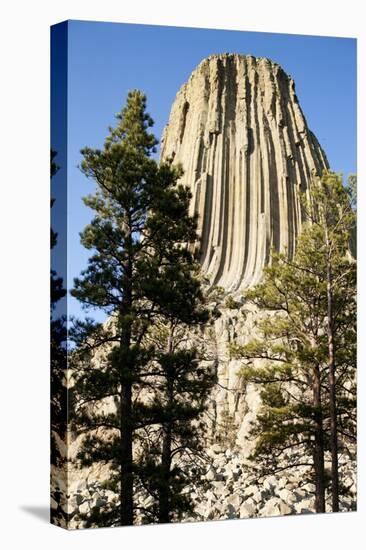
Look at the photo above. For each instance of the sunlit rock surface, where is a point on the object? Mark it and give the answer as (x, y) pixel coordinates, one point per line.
(238, 130)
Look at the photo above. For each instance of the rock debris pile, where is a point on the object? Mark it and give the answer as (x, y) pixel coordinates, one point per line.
(228, 490)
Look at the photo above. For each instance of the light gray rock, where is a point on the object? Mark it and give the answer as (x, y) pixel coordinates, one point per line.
(81, 485)
(285, 509)
(299, 494)
(305, 506)
(348, 482)
(65, 506)
(110, 495)
(287, 496)
(218, 487)
(237, 123)
(270, 483)
(247, 510)
(271, 508)
(309, 488)
(84, 508)
(202, 509)
(353, 489)
(54, 504)
(259, 496)
(250, 490)
(234, 500)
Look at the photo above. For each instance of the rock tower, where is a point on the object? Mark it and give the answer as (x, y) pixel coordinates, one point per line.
(238, 130)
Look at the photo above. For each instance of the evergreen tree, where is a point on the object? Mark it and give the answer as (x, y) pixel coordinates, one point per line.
(333, 221)
(58, 389)
(308, 328)
(172, 456)
(141, 269)
(58, 352)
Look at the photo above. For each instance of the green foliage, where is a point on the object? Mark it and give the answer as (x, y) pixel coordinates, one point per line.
(173, 453)
(292, 341)
(58, 389)
(230, 303)
(227, 430)
(142, 273)
(58, 352)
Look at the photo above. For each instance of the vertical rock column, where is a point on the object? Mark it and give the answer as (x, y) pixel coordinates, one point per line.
(238, 130)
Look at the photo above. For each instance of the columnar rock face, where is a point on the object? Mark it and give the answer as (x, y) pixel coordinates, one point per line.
(238, 130)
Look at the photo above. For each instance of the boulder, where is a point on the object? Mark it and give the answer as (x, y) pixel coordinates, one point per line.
(247, 510)
(285, 509)
(84, 508)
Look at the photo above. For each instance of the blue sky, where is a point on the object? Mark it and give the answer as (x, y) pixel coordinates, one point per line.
(105, 60)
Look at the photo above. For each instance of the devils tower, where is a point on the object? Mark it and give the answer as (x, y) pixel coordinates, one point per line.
(248, 158)
(239, 132)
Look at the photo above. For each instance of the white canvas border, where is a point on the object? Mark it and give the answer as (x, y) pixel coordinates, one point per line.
(24, 274)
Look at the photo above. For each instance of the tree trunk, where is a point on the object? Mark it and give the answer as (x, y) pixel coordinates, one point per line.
(126, 496)
(164, 488)
(332, 385)
(318, 452)
(333, 438)
(126, 378)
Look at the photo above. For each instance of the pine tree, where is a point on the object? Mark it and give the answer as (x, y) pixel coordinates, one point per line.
(333, 222)
(58, 389)
(58, 351)
(141, 270)
(173, 457)
(308, 328)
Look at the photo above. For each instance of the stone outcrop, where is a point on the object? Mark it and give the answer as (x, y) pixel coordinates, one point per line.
(247, 153)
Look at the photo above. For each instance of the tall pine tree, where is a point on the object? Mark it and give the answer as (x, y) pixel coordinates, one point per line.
(58, 351)
(309, 327)
(140, 269)
(333, 223)
(58, 387)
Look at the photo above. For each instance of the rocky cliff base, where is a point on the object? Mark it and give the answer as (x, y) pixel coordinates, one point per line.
(228, 490)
